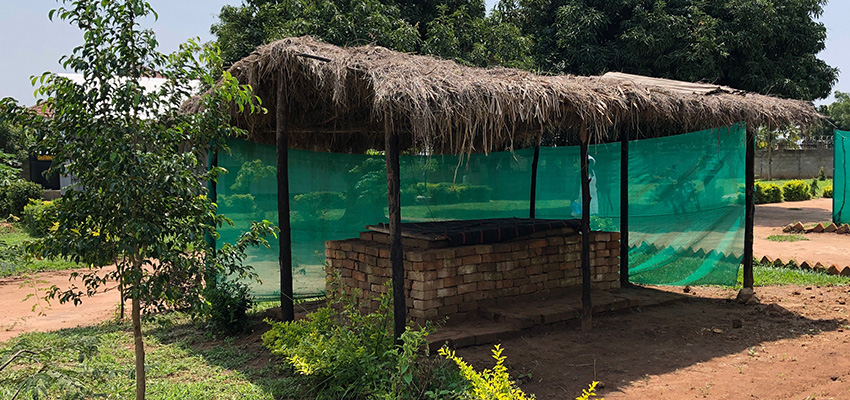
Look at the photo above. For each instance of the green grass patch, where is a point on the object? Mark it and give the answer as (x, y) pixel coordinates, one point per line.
(775, 276)
(787, 238)
(12, 235)
(183, 362)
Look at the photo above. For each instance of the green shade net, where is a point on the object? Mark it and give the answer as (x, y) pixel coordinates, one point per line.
(840, 192)
(686, 200)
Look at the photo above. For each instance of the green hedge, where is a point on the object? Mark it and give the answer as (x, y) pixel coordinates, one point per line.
(314, 204)
(767, 193)
(38, 217)
(446, 193)
(796, 190)
(16, 195)
(827, 191)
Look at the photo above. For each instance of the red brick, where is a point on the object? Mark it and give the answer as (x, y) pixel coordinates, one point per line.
(478, 276)
(486, 285)
(555, 241)
(426, 304)
(487, 267)
(464, 251)
(466, 269)
(473, 296)
(444, 253)
(366, 236)
(502, 247)
(446, 272)
(467, 287)
(472, 260)
(483, 249)
(452, 282)
(447, 310)
(452, 300)
(493, 257)
(446, 292)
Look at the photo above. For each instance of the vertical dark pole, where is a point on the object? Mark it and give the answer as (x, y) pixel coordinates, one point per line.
(285, 256)
(586, 304)
(749, 280)
(396, 250)
(533, 204)
(624, 208)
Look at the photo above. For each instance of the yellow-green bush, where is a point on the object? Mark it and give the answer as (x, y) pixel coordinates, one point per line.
(827, 191)
(767, 193)
(796, 190)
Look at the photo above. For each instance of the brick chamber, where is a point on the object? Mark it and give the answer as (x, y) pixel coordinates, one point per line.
(444, 281)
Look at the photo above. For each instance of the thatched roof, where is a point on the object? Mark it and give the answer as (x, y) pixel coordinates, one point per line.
(338, 98)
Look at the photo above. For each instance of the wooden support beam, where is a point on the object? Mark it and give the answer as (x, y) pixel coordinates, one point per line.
(396, 251)
(749, 198)
(586, 304)
(285, 255)
(624, 208)
(533, 203)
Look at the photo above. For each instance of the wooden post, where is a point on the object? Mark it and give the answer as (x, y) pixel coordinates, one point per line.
(285, 255)
(394, 207)
(586, 304)
(624, 208)
(749, 198)
(533, 203)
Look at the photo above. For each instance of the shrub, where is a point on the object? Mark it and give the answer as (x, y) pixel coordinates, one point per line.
(345, 354)
(315, 204)
(813, 188)
(796, 190)
(16, 195)
(447, 193)
(821, 174)
(38, 217)
(827, 191)
(489, 384)
(227, 306)
(767, 193)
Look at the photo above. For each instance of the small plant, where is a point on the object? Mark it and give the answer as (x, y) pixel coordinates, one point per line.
(495, 383)
(767, 193)
(345, 354)
(787, 238)
(827, 191)
(796, 190)
(821, 174)
(228, 304)
(813, 188)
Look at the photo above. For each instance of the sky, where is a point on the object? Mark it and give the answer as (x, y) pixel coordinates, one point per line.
(31, 44)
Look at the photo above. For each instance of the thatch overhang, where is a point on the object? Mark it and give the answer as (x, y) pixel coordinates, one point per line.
(343, 98)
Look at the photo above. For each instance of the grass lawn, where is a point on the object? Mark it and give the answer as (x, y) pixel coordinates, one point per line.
(183, 362)
(773, 276)
(12, 235)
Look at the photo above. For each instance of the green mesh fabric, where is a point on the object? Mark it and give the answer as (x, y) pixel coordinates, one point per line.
(686, 200)
(840, 191)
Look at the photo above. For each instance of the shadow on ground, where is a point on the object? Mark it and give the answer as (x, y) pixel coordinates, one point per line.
(629, 346)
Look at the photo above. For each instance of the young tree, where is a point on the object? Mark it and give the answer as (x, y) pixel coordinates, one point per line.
(140, 199)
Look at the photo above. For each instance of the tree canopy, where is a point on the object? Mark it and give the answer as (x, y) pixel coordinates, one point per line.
(839, 111)
(454, 29)
(763, 46)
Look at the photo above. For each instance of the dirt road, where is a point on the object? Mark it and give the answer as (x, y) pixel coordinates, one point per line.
(23, 311)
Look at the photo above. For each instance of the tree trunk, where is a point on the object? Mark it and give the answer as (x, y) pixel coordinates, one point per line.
(140, 349)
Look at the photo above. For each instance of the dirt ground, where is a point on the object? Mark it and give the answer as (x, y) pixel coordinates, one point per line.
(826, 248)
(794, 345)
(23, 311)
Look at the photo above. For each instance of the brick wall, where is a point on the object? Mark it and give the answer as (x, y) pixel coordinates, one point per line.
(456, 281)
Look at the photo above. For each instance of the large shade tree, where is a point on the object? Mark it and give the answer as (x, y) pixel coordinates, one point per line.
(455, 29)
(764, 46)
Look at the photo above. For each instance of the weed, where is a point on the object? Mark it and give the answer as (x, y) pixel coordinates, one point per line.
(787, 238)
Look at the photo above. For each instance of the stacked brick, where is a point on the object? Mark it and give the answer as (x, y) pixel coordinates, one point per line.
(443, 281)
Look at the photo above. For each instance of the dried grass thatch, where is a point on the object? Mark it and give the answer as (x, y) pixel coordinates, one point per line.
(341, 99)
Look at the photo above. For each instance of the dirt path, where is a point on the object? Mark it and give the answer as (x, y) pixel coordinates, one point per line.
(826, 248)
(21, 313)
(794, 345)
